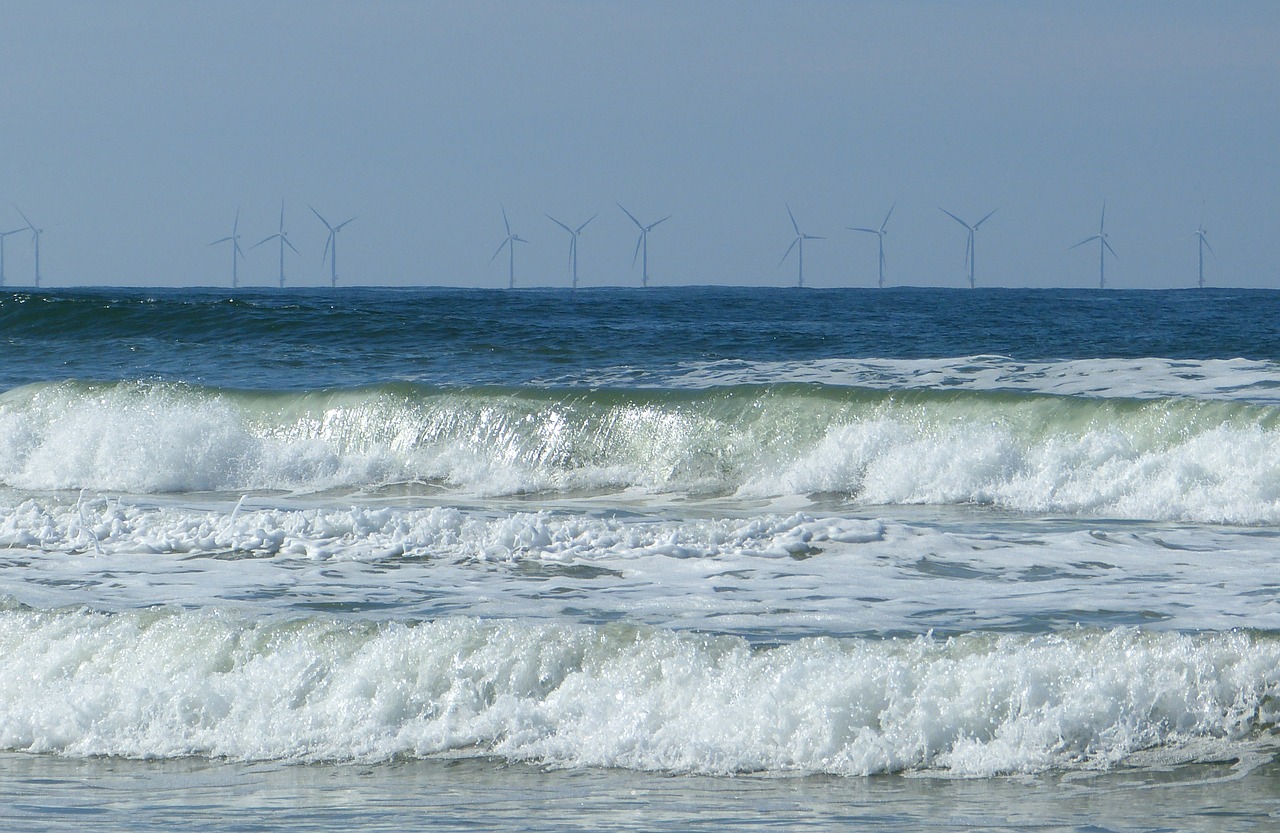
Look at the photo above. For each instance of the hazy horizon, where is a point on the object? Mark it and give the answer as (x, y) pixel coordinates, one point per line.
(135, 131)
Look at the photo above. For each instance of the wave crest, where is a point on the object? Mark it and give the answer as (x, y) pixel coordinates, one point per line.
(163, 684)
(1177, 459)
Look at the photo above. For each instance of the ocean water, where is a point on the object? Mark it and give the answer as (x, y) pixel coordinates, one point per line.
(617, 559)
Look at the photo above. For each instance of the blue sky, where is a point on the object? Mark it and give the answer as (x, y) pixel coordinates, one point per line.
(132, 131)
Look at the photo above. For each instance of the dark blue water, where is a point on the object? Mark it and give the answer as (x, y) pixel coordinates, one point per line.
(304, 339)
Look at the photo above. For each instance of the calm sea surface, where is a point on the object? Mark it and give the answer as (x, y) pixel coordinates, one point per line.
(618, 559)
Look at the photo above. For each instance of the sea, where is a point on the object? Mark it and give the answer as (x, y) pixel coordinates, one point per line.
(688, 558)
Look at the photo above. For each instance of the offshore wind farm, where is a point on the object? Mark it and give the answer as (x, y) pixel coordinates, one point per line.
(640, 253)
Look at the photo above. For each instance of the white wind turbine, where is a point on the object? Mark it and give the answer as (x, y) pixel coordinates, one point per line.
(236, 252)
(509, 242)
(35, 237)
(798, 242)
(643, 243)
(283, 237)
(3, 235)
(331, 246)
(969, 251)
(573, 244)
(1104, 246)
(878, 232)
(1202, 238)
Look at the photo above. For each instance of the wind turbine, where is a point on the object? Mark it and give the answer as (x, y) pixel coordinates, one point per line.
(509, 242)
(643, 243)
(3, 235)
(283, 236)
(331, 243)
(1201, 233)
(1104, 246)
(798, 241)
(573, 244)
(35, 237)
(236, 252)
(878, 232)
(969, 251)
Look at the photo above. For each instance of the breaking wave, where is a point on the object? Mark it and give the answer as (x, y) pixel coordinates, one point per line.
(1164, 459)
(163, 684)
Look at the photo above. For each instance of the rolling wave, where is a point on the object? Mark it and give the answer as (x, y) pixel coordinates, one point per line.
(164, 684)
(1198, 460)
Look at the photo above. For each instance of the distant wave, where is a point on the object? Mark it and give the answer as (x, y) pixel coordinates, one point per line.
(1161, 458)
(163, 684)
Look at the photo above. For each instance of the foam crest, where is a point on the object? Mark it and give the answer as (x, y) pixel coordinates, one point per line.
(1162, 459)
(164, 684)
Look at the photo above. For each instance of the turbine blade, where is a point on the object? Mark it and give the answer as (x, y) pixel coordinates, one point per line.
(632, 216)
(235, 227)
(663, 220)
(504, 220)
(984, 219)
(887, 216)
(1103, 222)
(1108, 245)
(788, 252)
(812, 237)
(952, 216)
(558, 223)
(264, 240)
(1207, 246)
(584, 225)
(639, 240)
(214, 243)
(24, 217)
(327, 243)
(1086, 240)
(240, 251)
(322, 219)
(867, 230)
(794, 225)
(290, 245)
(282, 216)
(343, 223)
(499, 251)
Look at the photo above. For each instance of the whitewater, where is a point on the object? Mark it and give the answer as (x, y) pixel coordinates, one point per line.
(1000, 557)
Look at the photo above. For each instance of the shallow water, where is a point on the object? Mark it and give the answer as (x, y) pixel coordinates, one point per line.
(51, 793)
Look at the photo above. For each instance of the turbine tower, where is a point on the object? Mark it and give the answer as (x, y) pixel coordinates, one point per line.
(969, 253)
(878, 232)
(1201, 237)
(331, 246)
(283, 237)
(573, 244)
(236, 252)
(1104, 246)
(642, 243)
(35, 238)
(798, 242)
(3, 235)
(509, 242)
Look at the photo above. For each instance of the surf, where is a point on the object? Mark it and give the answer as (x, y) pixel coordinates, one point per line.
(170, 684)
(1161, 459)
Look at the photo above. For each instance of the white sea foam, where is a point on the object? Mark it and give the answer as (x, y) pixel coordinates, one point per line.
(1162, 459)
(159, 684)
(773, 575)
(1244, 380)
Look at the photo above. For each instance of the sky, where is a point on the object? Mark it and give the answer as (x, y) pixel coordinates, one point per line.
(132, 132)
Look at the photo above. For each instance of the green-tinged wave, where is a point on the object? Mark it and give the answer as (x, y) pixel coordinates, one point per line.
(1152, 458)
